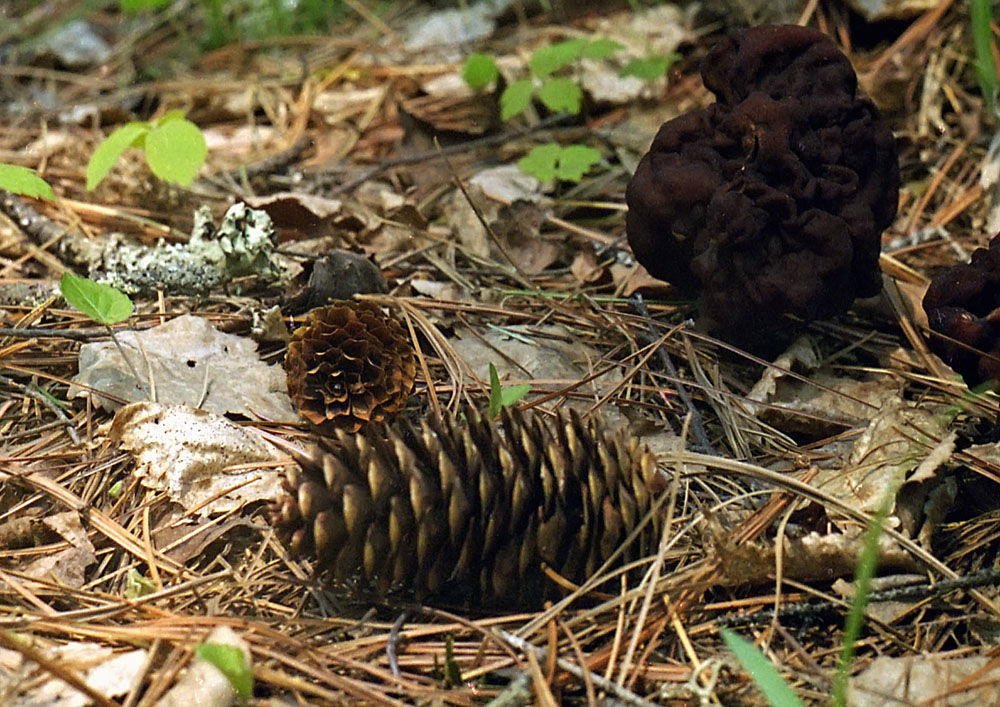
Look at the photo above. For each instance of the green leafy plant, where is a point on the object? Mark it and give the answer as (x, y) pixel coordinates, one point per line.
(480, 70)
(982, 38)
(501, 397)
(102, 303)
(650, 67)
(25, 182)
(138, 585)
(174, 146)
(559, 93)
(764, 674)
(555, 161)
(231, 662)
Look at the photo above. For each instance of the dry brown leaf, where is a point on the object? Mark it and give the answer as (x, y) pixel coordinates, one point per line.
(189, 453)
(191, 363)
(936, 679)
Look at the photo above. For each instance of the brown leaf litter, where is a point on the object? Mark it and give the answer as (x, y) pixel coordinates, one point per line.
(770, 470)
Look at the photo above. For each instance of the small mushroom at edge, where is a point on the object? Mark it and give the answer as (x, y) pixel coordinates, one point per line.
(963, 307)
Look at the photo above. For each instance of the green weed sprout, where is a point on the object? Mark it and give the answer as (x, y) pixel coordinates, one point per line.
(554, 161)
(174, 146)
(25, 182)
(231, 662)
(560, 94)
(501, 397)
(102, 303)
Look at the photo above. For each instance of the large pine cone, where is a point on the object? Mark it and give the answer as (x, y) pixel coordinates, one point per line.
(350, 364)
(470, 505)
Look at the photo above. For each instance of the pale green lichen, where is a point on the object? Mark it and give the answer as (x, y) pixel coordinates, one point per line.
(242, 246)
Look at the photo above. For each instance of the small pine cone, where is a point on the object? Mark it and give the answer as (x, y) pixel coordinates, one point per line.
(349, 365)
(475, 506)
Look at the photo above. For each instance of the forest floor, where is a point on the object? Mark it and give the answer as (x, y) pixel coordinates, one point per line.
(117, 565)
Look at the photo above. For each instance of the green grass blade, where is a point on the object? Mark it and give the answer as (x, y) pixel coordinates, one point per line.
(982, 39)
(764, 674)
(496, 393)
(867, 564)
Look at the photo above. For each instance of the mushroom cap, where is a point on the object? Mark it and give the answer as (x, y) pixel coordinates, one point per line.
(963, 304)
(772, 200)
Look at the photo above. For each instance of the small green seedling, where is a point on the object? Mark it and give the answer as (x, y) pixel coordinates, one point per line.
(560, 94)
(25, 182)
(557, 93)
(102, 303)
(650, 67)
(763, 672)
(138, 585)
(480, 70)
(174, 146)
(554, 161)
(452, 672)
(231, 662)
(501, 398)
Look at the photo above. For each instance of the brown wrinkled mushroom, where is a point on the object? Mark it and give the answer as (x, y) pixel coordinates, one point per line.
(963, 304)
(772, 200)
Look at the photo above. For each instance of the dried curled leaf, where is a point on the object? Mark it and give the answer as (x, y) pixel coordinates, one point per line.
(470, 504)
(349, 365)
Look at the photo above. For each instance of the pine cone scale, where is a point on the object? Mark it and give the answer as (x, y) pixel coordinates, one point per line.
(350, 364)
